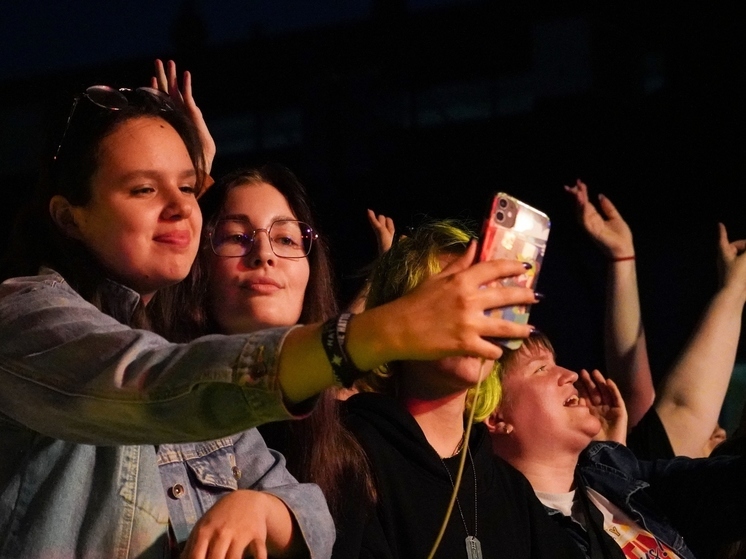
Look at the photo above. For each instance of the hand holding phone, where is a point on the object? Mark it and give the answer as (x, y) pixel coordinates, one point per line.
(516, 231)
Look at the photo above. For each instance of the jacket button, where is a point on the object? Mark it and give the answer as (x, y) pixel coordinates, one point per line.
(177, 491)
(236, 472)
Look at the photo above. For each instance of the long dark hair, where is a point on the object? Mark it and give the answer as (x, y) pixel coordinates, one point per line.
(319, 302)
(318, 449)
(73, 158)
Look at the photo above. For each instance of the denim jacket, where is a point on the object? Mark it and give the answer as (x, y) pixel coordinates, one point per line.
(697, 500)
(82, 400)
(196, 475)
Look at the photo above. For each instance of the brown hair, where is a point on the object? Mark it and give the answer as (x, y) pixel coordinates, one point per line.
(37, 241)
(318, 449)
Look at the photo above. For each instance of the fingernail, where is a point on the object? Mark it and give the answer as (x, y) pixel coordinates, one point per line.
(528, 265)
(534, 331)
(538, 295)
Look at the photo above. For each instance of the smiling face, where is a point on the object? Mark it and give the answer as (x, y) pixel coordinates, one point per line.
(541, 405)
(260, 289)
(142, 222)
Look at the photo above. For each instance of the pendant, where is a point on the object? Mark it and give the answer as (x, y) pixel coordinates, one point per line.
(473, 548)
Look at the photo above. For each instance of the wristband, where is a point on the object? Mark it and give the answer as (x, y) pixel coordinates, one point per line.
(333, 338)
(623, 258)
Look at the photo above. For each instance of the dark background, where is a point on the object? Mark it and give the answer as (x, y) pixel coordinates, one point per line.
(426, 108)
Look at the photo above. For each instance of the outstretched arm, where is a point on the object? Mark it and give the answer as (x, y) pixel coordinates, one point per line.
(624, 340)
(693, 391)
(443, 316)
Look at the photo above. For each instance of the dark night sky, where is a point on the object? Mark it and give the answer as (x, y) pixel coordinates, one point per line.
(39, 36)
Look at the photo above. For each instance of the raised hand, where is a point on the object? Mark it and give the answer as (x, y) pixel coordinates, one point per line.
(608, 229)
(383, 227)
(731, 260)
(167, 81)
(444, 315)
(605, 402)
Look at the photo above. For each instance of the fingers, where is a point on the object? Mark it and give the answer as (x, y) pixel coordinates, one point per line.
(462, 262)
(582, 384)
(614, 394)
(376, 221)
(222, 548)
(195, 548)
(602, 387)
(723, 239)
(383, 227)
(187, 83)
(594, 392)
(729, 248)
(173, 82)
(488, 270)
(257, 549)
(579, 191)
(609, 210)
(380, 221)
(160, 81)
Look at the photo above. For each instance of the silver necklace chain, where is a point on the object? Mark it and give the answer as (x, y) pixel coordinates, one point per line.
(460, 511)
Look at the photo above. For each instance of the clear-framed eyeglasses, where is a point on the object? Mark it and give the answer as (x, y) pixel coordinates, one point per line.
(288, 238)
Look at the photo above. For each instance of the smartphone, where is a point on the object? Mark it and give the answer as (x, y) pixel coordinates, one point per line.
(514, 230)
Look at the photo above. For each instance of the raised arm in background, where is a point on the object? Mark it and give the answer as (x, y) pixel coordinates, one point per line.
(692, 393)
(383, 227)
(624, 339)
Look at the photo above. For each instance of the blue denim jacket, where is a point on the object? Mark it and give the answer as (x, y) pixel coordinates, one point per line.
(196, 475)
(700, 500)
(82, 400)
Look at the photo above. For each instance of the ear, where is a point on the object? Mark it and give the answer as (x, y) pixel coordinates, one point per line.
(497, 425)
(63, 215)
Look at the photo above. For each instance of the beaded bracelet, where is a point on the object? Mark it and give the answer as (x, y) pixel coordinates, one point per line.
(623, 258)
(333, 337)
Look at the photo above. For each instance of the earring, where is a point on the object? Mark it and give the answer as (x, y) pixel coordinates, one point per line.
(507, 429)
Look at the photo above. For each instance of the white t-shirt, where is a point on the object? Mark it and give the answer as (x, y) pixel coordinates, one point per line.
(635, 541)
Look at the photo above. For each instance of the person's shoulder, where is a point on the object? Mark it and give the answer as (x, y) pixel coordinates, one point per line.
(608, 452)
(46, 278)
(607, 457)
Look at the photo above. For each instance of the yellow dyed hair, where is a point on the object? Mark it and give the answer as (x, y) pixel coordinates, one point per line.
(410, 260)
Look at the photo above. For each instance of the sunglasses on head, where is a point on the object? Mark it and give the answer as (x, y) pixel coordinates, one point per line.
(113, 99)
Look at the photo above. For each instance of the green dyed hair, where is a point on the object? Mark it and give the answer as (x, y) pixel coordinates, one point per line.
(410, 260)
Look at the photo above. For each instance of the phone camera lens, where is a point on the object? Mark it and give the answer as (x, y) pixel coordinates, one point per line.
(500, 216)
(502, 202)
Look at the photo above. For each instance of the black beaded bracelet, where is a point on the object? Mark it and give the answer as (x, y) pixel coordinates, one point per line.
(333, 335)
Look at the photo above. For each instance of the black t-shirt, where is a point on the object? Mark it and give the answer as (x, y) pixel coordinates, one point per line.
(649, 440)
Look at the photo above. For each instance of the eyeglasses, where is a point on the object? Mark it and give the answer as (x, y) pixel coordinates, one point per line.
(113, 99)
(288, 238)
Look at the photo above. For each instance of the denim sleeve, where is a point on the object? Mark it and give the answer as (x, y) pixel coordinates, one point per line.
(264, 470)
(70, 372)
